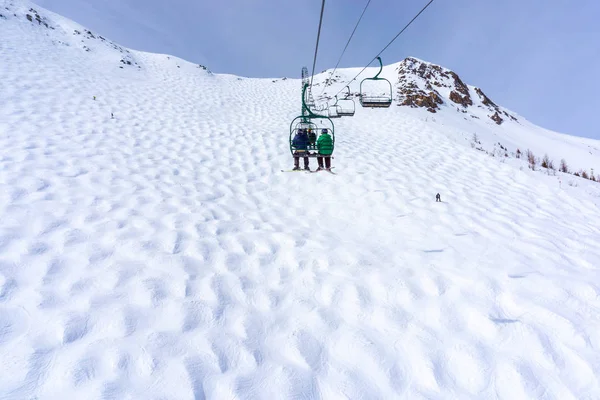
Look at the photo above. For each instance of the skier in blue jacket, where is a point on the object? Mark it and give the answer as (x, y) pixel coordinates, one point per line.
(300, 145)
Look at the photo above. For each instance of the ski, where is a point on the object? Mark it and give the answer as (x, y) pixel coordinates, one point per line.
(323, 169)
(309, 171)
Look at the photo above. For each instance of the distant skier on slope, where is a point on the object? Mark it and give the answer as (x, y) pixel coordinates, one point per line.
(300, 144)
(438, 198)
(325, 147)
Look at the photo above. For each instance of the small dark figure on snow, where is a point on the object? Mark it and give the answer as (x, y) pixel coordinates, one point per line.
(438, 198)
(112, 116)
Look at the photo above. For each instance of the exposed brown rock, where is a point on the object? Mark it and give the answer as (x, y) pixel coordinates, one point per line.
(421, 99)
(509, 116)
(497, 118)
(460, 86)
(465, 101)
(484, 99)
(419, 82)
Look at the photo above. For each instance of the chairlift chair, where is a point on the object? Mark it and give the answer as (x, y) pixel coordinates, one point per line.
(309, 121)
(333, 111)
(376, 99)
(345, 106)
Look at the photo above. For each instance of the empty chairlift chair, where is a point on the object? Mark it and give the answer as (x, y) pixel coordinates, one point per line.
(345, 106)
(377, 92)
(333, 110)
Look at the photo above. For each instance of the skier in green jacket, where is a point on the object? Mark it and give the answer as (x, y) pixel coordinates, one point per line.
(325, 148)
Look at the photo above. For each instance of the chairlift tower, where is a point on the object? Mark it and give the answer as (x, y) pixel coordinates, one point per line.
(310, 101)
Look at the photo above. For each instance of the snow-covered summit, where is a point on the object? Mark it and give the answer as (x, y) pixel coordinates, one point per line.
(423, 84)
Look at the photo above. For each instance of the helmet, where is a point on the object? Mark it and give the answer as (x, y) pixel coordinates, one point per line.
(323, 130)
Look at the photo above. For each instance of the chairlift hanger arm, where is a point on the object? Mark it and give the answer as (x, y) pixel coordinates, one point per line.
(349, 94)
(393, 40)
(311, 114)
(380, 69)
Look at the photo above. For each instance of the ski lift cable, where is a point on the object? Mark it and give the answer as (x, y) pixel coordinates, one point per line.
(347, 43)
(317, 46)
(390, 43)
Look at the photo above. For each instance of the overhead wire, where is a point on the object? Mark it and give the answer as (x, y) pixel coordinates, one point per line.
(347, 43)
(390, 43)
(312, 75)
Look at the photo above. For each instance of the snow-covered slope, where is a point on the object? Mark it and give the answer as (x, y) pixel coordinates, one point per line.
(464, 110)
(159, 253)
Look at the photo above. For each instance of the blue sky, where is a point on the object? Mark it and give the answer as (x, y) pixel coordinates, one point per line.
(539, 58)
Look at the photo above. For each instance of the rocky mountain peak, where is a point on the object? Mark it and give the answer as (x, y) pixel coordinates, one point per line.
(423, 84)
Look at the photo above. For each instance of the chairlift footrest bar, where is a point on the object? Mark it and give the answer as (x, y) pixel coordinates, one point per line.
(311, 155)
